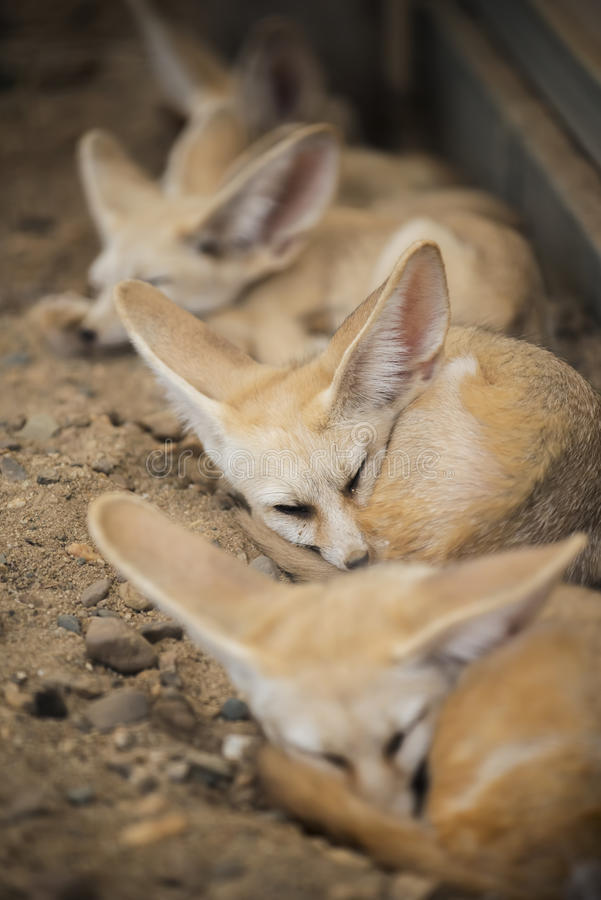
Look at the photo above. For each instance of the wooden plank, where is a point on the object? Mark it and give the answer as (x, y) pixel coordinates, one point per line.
(493, 125)
(559, 48)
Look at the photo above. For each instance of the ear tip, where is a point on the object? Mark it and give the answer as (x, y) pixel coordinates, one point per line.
(106, 508)
(130, 294)
(95, 141)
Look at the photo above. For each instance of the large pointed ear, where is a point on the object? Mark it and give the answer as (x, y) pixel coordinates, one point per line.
(475, 606)
(189, 74)
(280, 79)
(113, 184)
(216, 597)
(272, 202)
(198, 368)
(390, 348)
(202, 154)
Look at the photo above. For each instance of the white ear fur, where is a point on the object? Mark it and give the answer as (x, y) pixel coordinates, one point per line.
(113, 184)
(202, 154)
(274, 200)
(213, 595)
(490, 599)
(397, 350)
(195, 366)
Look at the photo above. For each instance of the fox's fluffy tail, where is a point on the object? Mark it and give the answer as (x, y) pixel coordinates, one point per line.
(323, 800)
(302, 564)
(190, 76)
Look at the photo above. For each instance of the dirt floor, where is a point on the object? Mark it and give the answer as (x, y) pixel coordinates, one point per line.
(151, 809)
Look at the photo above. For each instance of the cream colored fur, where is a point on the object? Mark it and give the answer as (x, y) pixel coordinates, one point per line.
(401, 439)
(367, 682)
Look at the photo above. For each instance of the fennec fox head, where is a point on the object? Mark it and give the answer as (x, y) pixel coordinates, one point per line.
(201, 243)
(349, 675)
(303, 445)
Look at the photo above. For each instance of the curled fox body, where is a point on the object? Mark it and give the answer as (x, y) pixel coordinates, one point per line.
(454, 728)
(267, 239)
(401, 439)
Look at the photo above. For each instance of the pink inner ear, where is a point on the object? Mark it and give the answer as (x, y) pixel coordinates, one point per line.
(420, 298)
(299, 193)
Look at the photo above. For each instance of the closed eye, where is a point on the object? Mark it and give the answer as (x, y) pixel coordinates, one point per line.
(337, 760)
(353, 483)
(158, 280)
(302, 511)
(393, 744)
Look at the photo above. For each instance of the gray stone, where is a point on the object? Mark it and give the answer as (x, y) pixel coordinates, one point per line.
(48, 476)
(103, 465)
(96, 592)
(158, 631)
(234, 710)
(80, 796)
(11, 469)
(115, 644)
(105, 613)
(69, 623)
(175, 713)
(133, 598)
(121, 707)
(19, 358)
(266, 566)
(39, 427)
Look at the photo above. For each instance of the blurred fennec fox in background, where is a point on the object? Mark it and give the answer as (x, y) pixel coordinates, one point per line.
(204, 232)
(431, 715)
(276, 79)
(267, 236)
(402, 439)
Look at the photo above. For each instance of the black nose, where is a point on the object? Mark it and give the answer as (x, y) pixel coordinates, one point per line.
(357, 562)
(87, 335)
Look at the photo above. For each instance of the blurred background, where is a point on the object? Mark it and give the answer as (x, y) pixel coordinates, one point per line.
(510, 91)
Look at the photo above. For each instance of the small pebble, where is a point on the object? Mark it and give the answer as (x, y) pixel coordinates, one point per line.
(235, 746)
(80, 796)
(209, 768)
(103, 465)
(11, 469)
(39, 427)
(113, 643)
(96, 592)
(104, 613)
(133, 598)
(69, 623)
(121, 707)
(159, 631)
(266, 566)
(33, 802)
(150, 832)
(124, 739)
(83, 551)
(48, 476)
(178, 770)
(234, 710)
(175, 713)
(19, 358)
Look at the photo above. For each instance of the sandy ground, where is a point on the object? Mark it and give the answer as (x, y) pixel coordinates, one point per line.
(71, 430)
